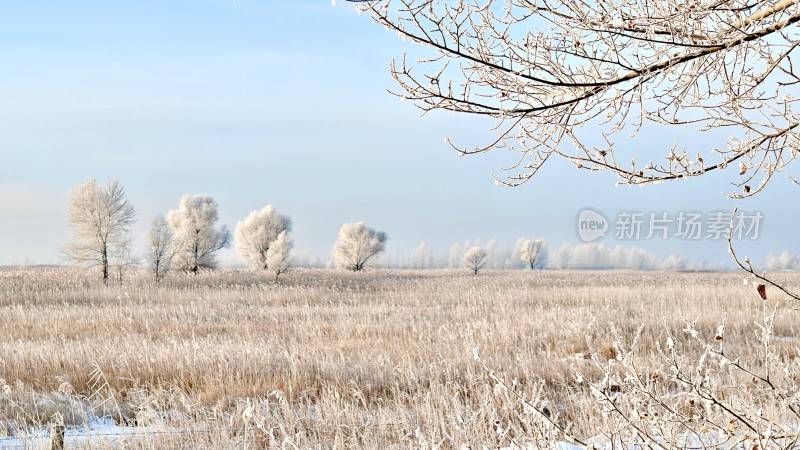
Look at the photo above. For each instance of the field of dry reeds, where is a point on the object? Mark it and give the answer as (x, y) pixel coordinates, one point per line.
(331, 359)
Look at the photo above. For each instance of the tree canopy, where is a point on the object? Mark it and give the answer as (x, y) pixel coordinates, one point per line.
(101, 218)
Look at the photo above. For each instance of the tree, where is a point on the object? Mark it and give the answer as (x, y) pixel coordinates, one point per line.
(568, 79)
(475, 259)
(159, 247)
(421, 257)
(356, 245)
(531, 252)
(783, 261)
(101, 218)
(279, 258)
(491, 254)
(455, 257)
(256, 233)
(193, 225)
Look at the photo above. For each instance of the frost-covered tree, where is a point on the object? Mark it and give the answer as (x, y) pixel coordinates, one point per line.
(159, 247)
(475, 259)
(279, 258)
(783, 261)
(194, 227)
(455, 257)
(491, 254)
(531, 252)
(101, 218)
(574, 80)
(256, 233)
(676, 262)
(421, 257)
(599, 256)
(356, 245)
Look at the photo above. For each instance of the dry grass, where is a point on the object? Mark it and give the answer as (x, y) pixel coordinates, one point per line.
(340, 359)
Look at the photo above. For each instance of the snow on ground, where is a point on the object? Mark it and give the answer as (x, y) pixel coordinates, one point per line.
(99, 432)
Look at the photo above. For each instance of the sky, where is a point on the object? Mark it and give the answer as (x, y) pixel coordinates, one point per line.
(284, 102)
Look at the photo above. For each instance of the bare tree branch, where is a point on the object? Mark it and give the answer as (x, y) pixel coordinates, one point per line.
(748, 267)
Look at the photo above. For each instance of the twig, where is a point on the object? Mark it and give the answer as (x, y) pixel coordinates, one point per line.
(748, 267)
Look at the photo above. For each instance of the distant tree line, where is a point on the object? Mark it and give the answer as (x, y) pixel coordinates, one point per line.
(534, 254)
(188, 239)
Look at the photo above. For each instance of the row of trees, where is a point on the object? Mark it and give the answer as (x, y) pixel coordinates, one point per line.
(530, 251)
(422, 256)
(101, 218)
(593, 256)
(533, 254)
(188, 239)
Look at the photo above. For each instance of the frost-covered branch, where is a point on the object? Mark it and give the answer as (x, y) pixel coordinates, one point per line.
(748, 267)
(576, 79)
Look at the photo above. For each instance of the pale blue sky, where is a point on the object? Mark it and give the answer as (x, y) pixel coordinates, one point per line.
(281, 102)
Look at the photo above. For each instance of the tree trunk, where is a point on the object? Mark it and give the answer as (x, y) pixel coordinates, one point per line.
(196, 254)
(104, 263)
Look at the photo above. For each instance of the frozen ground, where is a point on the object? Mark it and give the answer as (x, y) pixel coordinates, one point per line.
(102, 433)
